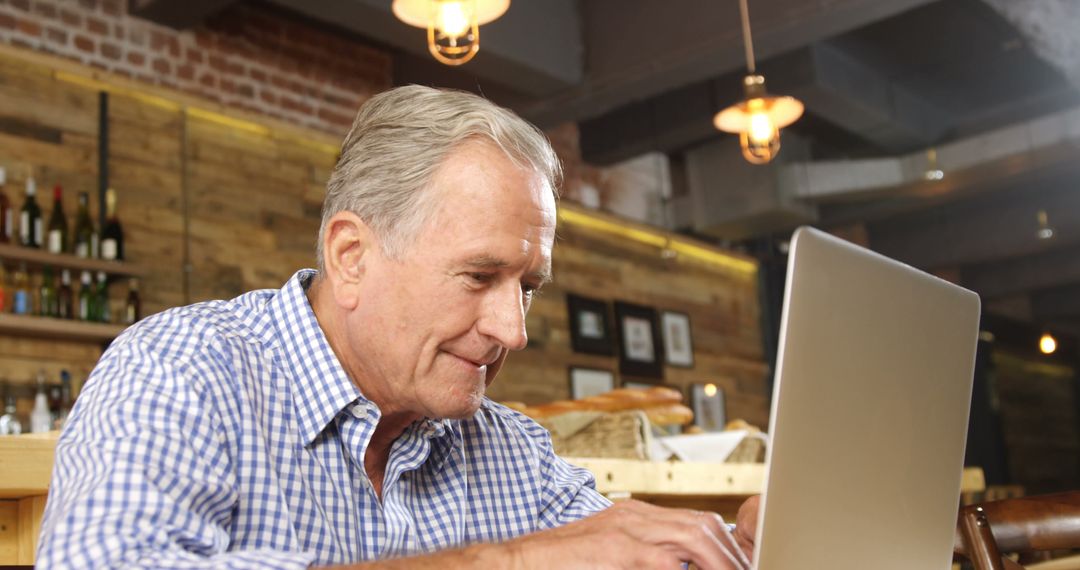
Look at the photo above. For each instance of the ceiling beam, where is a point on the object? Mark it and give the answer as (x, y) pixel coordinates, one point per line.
(979, 231)
(638, 49)
(1048, 270)
(834, 85)
(177, 15)
(1055, 304)
(1050, 27)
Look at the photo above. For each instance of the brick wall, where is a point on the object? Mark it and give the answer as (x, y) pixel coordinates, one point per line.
(249, 56)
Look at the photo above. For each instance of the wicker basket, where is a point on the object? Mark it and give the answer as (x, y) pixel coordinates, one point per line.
(618, 435)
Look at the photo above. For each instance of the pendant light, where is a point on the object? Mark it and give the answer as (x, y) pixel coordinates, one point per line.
(453, 26)
(758, 118)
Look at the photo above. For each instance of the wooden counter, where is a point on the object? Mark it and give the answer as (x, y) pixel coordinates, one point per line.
(717, 487)
(26, 463)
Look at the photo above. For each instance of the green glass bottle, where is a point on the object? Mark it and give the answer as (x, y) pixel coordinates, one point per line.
(48, 293)
(86, 239)
(101, 299)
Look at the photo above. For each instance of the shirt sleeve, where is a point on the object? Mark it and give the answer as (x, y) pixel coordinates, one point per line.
(143, 476)
(567, 492)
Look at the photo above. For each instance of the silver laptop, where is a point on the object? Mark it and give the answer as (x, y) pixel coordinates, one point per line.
(869, 413)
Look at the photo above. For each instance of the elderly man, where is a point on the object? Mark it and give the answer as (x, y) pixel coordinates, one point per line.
(342, 418)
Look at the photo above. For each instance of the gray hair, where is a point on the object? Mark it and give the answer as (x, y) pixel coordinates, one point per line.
(397, 141)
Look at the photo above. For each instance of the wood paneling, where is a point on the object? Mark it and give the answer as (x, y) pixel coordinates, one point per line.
(1038, 417)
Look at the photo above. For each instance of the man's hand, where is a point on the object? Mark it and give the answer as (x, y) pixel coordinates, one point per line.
(633, 534)
(746, 525)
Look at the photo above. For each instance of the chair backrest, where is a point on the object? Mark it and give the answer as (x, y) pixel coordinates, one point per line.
(1047, 522)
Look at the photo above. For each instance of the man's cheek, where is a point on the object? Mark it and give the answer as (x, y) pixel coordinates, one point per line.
(493, 369)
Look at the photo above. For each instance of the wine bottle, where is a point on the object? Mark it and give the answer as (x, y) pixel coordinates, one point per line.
(65, 400)
(40, 417)
(112, 235)
(101, 299)
(133, 306)
(58, 228)
(86, 239)
(47, 308)
(7, 214)
(64, 297)
(20, 304)
(5, 293)
(86, 298)
(30, 218)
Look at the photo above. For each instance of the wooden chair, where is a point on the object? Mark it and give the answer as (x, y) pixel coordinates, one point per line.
(1029, 524)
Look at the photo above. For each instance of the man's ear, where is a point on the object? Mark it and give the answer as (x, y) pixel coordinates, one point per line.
(347, 243)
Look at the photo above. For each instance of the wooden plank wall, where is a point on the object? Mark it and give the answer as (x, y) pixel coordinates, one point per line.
(252, 195)
(722, 304)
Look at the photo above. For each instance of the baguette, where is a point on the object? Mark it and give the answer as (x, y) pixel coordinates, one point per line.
(670, 414)
(659, 397)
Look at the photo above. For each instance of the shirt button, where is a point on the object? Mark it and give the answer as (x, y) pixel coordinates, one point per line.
(359, 411)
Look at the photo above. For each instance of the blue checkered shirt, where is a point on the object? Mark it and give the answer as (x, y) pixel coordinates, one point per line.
(226, 434)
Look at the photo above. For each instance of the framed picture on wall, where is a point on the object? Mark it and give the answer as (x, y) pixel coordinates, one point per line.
(585, 382)
(707, 401)
(678, 344)
(639, 341)
(590, 325)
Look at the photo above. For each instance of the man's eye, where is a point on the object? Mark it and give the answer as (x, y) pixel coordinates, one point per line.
(481, 278)
(529, 290)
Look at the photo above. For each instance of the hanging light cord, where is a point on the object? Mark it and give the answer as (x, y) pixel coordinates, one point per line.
(748, 42)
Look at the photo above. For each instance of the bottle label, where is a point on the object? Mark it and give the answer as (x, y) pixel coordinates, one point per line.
(21, 305)
(56, 241)
(37, 231)
(82, 249)
(108, 249)
(24, 228)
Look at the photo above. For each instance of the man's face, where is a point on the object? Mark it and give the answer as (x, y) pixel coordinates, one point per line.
(434, 327)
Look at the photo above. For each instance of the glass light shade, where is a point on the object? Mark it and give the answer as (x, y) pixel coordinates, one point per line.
(758, 119)
(453, 25)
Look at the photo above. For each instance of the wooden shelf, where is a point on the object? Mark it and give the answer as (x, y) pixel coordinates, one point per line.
(37, 258)
(61, 329)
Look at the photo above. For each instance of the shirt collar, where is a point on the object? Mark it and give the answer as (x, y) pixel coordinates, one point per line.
(321, 388)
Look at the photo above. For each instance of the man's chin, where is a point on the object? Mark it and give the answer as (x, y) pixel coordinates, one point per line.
(457, 409)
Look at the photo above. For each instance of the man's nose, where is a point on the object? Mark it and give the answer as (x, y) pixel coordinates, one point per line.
(504, 317)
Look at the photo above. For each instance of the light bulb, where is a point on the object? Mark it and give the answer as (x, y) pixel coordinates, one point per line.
(1047, 344)
(710, 390)
(452, 19)
(762, 130)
